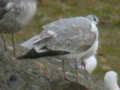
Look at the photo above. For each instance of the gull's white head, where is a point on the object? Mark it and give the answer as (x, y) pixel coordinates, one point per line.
(93, 18)
(9, 5)
(91, 64)
(111, 81)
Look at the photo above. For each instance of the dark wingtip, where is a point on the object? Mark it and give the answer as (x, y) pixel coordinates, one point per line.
(29, 55)
(32, 54)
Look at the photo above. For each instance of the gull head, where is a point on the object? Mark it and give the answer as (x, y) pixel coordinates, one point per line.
(93, 18)
(110, 81)
(9, 5)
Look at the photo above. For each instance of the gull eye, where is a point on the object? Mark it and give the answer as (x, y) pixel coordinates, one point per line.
(94, 19)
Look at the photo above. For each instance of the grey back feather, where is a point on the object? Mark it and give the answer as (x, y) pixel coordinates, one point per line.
(73, 35)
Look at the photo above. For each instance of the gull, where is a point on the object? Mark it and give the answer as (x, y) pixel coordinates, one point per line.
(111, 81)
(73, 38)
(90, 64)
(14, 15)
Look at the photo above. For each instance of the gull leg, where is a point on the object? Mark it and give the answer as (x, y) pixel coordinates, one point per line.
(13, 44)
(76, 70)
(4, 41)
(63, 64)
(83, 65)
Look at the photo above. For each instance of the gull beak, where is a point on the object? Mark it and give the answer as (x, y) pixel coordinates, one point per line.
(100, 54)
(100, 22)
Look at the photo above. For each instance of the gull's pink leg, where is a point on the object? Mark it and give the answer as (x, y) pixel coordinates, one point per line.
(4, 41)
(13, 44)
(63, 62)
(76, 70)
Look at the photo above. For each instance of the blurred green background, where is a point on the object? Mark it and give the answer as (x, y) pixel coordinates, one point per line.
(107, 10)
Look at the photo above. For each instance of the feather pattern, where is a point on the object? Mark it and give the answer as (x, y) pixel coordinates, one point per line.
(78, 36)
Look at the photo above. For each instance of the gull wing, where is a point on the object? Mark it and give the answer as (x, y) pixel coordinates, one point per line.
(72, 35)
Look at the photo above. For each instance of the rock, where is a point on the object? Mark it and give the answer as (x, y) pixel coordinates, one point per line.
(42, 74)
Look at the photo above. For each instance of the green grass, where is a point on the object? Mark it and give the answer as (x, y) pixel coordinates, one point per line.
(107, 10)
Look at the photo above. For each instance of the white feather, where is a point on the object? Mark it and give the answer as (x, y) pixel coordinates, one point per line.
(90, 64)
(10, 5)
(52, 33)
(111, 81)
(29, 43)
